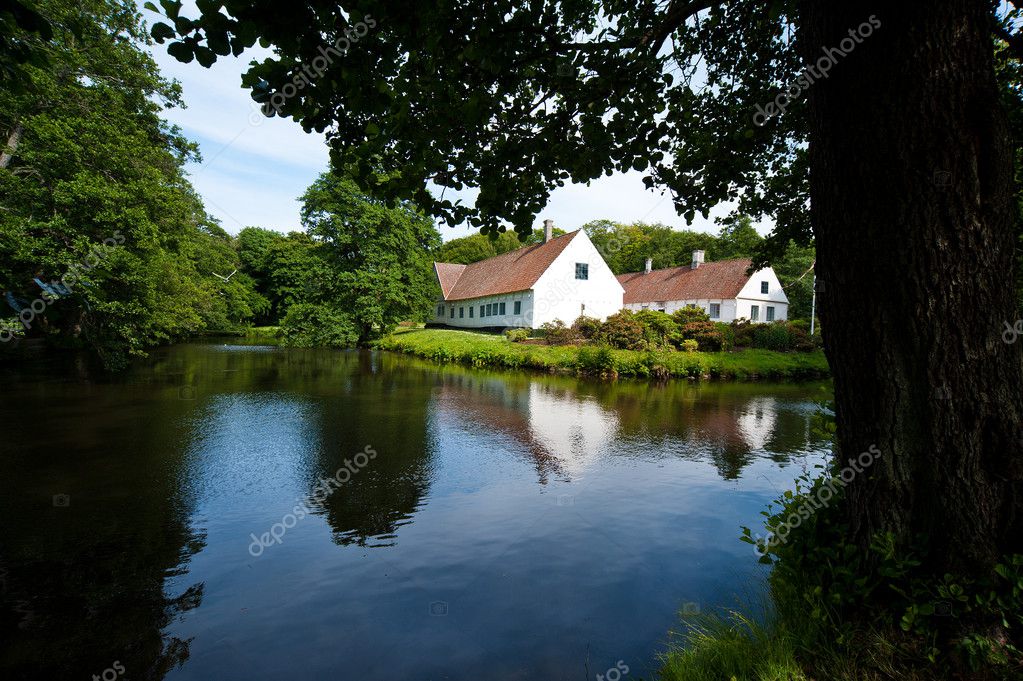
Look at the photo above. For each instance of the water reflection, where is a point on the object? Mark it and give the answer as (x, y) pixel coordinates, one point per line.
(511, 525)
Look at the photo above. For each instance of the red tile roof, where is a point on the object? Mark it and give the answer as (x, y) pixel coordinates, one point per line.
(448, 274)
(715, 280)
(509, 272)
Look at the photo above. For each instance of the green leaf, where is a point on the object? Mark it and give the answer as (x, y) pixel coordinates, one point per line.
(161, 32)
(181, 51)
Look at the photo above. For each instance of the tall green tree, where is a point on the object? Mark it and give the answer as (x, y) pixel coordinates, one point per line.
(379, 258)
(876, 124)
(93, 193)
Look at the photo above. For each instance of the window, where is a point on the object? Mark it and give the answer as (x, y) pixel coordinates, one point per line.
(754, 312)
(471, 308)
(502, 308)
(461, 312)
(582, 270)
(770, 313)
(763, 287)
(715, 310)
(481, 311)
(452, 311)
(518, 307)
(440, 310)
(490, 309)
(661, 306)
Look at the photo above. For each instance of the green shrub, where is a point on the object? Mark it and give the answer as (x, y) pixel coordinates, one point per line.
(690, 345)
(691, 313)
(517, 335)
(706, 334)
(586, 327)
(838, 594)
(309, 325)
(622, 331)
(774, 336)
(742, 333)
(556, 333)
(597, 360)
(659, 329)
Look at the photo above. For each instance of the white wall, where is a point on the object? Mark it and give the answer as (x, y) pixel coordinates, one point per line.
(461, 309)
(559, 295)
(775, 297)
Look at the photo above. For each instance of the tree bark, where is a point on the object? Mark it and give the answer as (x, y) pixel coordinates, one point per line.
(13, 140)
(911, 191)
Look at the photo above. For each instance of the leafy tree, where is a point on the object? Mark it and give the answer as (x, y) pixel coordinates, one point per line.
(380, 269)
(476, 247)
(738, 239)
(878, 125)
(90, 162)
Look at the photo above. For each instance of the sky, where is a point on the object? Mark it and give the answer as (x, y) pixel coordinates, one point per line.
(254, 168)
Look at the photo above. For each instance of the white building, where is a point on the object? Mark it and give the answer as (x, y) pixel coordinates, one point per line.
(722, 289)
(562, 278)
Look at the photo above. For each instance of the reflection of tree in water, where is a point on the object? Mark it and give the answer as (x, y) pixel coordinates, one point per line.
(83, 586)
(386, 410)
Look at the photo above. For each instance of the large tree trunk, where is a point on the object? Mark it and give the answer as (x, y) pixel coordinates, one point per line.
(911, 186)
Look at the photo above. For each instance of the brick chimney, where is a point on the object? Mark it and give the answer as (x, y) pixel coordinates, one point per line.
(649, 265)
(548, 230)
(697, 259)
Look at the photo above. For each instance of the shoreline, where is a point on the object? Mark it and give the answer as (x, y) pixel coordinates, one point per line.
(483, 350)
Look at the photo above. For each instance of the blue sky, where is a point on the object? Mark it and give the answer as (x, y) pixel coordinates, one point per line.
(255, 168)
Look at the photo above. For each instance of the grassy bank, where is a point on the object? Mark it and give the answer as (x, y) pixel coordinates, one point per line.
(477, 349)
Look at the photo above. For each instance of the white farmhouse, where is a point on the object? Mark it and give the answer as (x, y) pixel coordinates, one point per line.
(722, 289)
(562, 278)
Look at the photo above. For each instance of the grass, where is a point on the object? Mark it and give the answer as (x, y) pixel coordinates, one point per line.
(733, 646)
(262, 331)
(480, 349)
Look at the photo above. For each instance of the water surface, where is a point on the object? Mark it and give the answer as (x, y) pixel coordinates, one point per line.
(507, 526)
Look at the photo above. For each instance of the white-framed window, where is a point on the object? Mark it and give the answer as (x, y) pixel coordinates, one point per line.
(461, 312)
(582, 270)
(770, 313)
(518, 307)
(715, 310)
(452, 312)
(764, 287)
(502, 308)
(440, 310)
(471, 308)
(482, 308)
(754, 312)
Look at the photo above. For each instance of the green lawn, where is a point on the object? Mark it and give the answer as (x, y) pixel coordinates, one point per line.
(479, 349)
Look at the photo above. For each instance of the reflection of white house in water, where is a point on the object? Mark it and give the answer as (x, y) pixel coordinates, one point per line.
(757, 421)
(575, 430)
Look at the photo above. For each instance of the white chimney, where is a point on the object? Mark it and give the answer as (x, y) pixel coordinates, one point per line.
(697, 259)
(649, 265)
(548, 230)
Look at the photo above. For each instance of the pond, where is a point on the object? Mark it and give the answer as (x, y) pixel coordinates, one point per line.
(231, 511)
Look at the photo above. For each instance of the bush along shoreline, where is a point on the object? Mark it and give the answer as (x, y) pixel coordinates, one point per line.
(642, 345)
